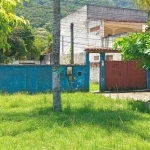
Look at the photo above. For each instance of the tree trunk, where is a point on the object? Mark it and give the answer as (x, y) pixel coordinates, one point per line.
(56, 53)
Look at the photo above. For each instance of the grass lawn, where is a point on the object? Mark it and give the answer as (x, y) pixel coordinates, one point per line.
(94, 87)
(87, 122)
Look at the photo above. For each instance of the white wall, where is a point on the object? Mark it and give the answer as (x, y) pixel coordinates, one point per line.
(83, 36)
(79, 18)
(94, 74)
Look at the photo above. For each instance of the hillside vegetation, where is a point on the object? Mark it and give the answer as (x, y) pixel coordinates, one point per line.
(40, 12)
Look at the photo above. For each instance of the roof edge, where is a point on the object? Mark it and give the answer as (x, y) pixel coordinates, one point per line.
(101, 50)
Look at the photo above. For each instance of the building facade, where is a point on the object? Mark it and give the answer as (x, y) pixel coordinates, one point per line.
(98, 26)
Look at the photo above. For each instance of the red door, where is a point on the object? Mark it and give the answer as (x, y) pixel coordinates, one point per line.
(124, 76)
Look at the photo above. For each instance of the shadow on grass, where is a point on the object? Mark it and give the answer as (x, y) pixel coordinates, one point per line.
(139, 106)
(107, 119)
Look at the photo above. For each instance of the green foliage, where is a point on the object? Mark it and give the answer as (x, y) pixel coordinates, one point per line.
(87, 121)
(43, 40)
(40, 13)
(136, 46)
(143, 4)
(17, 49)
(50, 42)
(42, 34)
(16, 39)
(9, 20)
(40, 46)
(21, 45)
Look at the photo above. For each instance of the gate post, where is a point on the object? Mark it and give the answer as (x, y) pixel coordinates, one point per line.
(102, 72)
(87, 76)
(148, 79)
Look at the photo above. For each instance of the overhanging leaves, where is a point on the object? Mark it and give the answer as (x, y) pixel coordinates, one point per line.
(136, 46)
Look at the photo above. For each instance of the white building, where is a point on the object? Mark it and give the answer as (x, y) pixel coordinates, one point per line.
(98, 26)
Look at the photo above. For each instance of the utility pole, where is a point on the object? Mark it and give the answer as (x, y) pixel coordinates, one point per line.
(72, 43)
(56, 57)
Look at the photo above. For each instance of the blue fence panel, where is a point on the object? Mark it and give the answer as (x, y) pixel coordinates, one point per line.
(13, 79)
(44, 78)
(38, 78)
(31, 79)
(79, 78)
(63, 78)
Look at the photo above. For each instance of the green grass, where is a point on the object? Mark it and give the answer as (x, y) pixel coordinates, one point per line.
(94, 87)
(87, 122)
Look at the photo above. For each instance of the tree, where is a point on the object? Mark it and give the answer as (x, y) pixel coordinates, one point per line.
(38, 48)
(50, 46)
(17, 50)
(41, 15)
(56, 55)
(136, 46)
(43, 40)
(9, 20)
(143, 4)
(50, 42)
(21, 45)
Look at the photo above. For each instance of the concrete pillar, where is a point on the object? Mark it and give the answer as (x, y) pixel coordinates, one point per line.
(87, 76)
(102, 72)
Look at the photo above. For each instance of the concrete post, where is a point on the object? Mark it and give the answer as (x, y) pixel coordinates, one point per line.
(102, 72)
(72, 43)
(87, 77)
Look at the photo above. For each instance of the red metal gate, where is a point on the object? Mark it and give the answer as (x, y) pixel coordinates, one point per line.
(124, 76)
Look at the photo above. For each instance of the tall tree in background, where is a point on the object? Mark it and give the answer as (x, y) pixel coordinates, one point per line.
(56, 55)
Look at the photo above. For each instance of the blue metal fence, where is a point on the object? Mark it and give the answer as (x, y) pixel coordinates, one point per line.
(38, 78)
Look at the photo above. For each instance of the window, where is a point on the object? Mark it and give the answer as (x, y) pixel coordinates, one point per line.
(96, 57)
(109, 57)
(79, 73)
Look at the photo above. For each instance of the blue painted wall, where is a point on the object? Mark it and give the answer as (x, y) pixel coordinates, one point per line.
(38, 78)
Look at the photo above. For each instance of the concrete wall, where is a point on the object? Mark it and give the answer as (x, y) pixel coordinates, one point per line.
(79, 18)
(38, 78)
(82, 36)
(94, 72)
